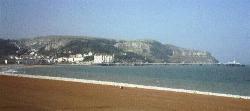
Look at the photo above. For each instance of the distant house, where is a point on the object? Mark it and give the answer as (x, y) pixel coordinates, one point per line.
(98, 59)
(88, 54)
(6, 61)
(59, 59)
(78, 56)
(75, 58)
(70, 59)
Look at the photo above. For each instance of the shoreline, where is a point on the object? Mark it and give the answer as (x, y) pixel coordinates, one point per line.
(31, 94)
(117, 84)
(129, 64)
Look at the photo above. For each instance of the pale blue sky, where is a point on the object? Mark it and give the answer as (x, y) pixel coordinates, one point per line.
(221, 27)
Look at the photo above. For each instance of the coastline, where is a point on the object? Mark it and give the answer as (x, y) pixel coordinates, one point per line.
(126, 85)
(24, 93)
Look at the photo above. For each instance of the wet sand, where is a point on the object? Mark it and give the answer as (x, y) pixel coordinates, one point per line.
(27, 94)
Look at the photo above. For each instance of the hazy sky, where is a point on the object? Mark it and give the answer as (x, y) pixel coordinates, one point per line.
(221, 27)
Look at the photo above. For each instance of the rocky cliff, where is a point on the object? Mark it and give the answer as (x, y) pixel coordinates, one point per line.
(166, 53)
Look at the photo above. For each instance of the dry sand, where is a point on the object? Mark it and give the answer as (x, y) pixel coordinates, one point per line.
(26, 94)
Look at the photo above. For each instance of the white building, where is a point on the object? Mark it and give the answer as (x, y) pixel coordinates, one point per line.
(78, 56)
(62, 59)
(75, 58)
(103, 59)
(78, 59)
(88, 54)
(6, 61)
(70, 59)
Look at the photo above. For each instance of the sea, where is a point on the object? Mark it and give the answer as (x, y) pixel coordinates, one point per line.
(220, 79)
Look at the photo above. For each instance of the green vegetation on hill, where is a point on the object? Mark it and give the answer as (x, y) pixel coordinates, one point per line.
(7, 47)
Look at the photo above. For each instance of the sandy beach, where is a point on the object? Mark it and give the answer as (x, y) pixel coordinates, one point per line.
(26, 94)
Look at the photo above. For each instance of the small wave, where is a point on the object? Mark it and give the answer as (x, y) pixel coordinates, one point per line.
(10, 71)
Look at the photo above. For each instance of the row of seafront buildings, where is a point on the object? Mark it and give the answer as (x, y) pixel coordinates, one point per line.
(27, 59)
(81, 58)
(88, 58)
(99, 59)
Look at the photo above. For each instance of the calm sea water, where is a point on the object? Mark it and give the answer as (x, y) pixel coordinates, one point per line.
(212, 78)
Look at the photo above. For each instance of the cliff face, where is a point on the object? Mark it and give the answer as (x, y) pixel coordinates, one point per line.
(182, 55)
(166, 53)
(47, 43)
(125, 51)
(150, 49)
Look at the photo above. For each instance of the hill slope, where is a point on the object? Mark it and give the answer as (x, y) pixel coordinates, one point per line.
(124, 51)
